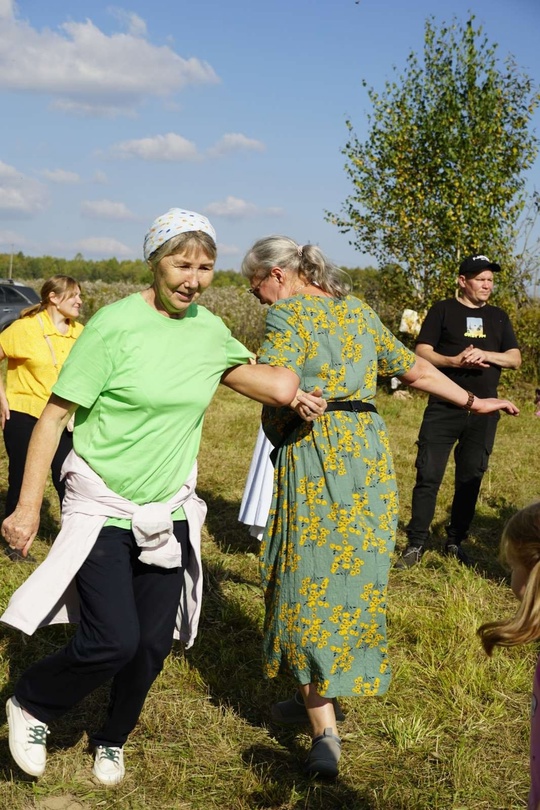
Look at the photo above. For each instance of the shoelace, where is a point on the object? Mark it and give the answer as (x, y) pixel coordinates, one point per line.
(38, 734)
(110, 753)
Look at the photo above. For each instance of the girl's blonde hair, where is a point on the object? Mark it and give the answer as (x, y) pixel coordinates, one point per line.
(520, 545)
(56, 285)
(307, 261)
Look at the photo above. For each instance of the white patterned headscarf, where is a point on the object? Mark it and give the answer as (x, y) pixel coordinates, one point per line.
(174, 222)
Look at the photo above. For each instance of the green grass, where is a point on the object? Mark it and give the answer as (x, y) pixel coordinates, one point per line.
(451, 733)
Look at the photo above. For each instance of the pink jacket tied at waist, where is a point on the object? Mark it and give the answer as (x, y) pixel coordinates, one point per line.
(49, 595)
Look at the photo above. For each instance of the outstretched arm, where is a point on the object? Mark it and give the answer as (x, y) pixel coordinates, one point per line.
(424, 376)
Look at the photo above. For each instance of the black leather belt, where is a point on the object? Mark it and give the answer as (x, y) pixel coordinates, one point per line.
(355, 405)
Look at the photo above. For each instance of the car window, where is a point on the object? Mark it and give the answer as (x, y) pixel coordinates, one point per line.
(12, 296)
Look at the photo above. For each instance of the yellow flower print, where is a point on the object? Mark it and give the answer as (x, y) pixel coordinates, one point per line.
(365, 688)
(314, 592)
(343, 658)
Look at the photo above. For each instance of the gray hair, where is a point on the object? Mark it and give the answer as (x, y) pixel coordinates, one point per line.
(306, 261)
(184, 242)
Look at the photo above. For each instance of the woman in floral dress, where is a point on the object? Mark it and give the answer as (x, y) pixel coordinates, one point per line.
(326, 552)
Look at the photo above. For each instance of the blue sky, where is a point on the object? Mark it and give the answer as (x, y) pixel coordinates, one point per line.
(111, 114)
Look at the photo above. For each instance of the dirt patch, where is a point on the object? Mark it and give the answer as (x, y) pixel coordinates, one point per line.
(61, 803)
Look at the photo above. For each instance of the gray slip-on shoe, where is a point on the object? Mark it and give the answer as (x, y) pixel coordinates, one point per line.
(324, 756)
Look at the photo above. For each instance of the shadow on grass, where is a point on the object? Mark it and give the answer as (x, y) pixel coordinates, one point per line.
(275, 770)
(228, 657)
(22, 651)
(482, 545)
(222, 522)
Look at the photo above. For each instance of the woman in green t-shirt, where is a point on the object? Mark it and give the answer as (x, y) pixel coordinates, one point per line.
(139, 381)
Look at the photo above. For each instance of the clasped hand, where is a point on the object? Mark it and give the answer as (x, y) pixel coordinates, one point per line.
(309, 405)
(472, 357)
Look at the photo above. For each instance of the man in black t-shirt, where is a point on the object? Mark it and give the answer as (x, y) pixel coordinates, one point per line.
(470, 341)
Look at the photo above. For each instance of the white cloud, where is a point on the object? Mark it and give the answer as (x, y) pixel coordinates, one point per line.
(133, 24)
(11, 239)
(235, 142)
(20, 195)
(60, 176)
(100, 178)
(103, 247)
(86, 70)
(227, 250)
(235, 208)
(8, 172)
(7, 9)
(170, 147)
(106, 209)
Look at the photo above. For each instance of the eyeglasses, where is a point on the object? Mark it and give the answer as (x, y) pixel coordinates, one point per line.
(254, 290)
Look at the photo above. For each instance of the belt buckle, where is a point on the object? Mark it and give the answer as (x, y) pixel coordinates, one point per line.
(356, 405)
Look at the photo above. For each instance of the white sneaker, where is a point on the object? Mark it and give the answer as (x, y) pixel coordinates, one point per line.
(27, 739)
(109, 765)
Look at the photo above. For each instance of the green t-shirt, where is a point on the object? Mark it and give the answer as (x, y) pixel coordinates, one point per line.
(143, 383)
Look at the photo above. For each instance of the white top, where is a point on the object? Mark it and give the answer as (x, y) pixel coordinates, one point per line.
(49, 595)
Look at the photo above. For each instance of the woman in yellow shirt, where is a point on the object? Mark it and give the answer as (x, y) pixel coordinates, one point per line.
(36, 347)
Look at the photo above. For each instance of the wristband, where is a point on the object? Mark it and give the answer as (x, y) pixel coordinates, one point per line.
(468, 405)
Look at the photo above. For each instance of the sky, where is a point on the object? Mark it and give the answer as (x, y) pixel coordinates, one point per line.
(112, 114)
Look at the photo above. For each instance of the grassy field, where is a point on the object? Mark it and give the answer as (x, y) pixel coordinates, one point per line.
(451, 733)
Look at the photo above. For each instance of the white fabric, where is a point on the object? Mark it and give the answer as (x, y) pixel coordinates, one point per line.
(174, 222)
(49, 595)
(257, 497)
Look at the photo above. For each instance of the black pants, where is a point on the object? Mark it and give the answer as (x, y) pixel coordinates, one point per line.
(17, 433)
(442, 427)
(128, 614)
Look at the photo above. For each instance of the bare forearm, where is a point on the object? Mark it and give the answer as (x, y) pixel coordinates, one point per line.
(41, 450)
(509, 359)
(269, 385)
(425, 377)
(427, 352)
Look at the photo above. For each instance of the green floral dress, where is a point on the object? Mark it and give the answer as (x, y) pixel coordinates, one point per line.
(326, 552)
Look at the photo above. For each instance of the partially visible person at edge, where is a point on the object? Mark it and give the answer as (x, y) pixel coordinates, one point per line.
(470, 341)
(36, 347)
(520, 550)
(326, 551)
(126, 563)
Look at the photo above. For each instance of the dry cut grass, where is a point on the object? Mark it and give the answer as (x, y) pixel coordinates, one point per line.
(451, 733)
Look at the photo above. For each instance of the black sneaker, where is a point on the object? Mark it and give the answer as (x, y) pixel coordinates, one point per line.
(455, 550)
(411, 556)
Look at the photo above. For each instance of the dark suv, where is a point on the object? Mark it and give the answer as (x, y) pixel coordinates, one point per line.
(14, 296)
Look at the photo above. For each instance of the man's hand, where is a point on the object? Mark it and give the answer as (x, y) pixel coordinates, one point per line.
(472, 357)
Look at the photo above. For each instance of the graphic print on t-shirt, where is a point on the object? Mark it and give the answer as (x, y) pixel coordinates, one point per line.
(475, 328)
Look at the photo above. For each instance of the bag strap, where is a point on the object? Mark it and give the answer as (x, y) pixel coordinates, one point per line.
(49, 341)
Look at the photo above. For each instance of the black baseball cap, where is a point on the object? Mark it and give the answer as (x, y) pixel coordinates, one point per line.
(475, 264)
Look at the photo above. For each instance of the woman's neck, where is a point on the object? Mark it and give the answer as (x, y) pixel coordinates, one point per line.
(60, 322)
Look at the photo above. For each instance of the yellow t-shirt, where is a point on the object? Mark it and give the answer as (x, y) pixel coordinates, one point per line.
(31, 372)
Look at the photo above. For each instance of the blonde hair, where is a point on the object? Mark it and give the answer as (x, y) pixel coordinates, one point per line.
(56, 285)
(520, 545)
(306, 261)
